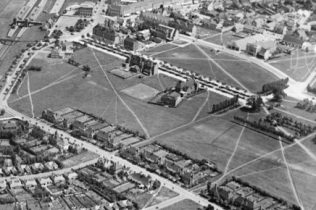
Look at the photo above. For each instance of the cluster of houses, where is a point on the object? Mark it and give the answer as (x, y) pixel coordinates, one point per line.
(31, 184)
(238, 194)
(90, 128)
(26, 169)
(173, 166)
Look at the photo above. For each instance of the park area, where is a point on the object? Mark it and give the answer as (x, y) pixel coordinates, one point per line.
(220, 66)
(298, 65)
(189, 128)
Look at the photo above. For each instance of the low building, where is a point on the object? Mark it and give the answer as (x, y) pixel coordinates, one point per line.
(3, 185)
(59, 180)
(71, 177)
(15, 183)
(30, 184)
(5, 145)
(51, 166)
(172, 99)
(292, 41)
(142, 180)
(45, 182)
(85, 11)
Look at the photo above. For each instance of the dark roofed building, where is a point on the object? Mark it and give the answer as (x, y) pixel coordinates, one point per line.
(292, 41)
(104, 32)
(131, 44)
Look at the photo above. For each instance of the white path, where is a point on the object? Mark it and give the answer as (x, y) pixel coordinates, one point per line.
(201, 107)
(298, 200)
(29, 94)
(120, 98)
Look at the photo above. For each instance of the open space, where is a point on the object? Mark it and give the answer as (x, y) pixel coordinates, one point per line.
(185, 204)
(298, 65)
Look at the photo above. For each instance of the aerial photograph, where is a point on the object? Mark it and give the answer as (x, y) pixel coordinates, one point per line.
(157, 104)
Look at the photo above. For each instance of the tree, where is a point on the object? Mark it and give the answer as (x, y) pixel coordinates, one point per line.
(2, 112)
(86, 68)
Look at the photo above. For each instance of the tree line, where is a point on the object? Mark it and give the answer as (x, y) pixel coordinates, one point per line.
(223, 105)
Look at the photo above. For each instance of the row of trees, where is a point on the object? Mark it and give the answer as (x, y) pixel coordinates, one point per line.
(226, 104)
(300, 128)
(306, 105)
(34, 68)
(264, 127)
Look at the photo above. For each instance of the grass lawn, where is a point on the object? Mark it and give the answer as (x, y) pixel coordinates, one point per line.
(213, 140)
(140, 198)
(289, 104)
(80, 158)
(159, 49)
(192, 59)
(163, 195)
(303, 183)
(185, 204)
(227, 37)
(298, 65)
(245, 72)
(93, 94)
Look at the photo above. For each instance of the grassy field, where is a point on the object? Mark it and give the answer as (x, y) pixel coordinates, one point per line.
(185, 204)
(8, 10)
(298, 65)
(246, 73)
(80, 158)
(163, 195)
(159, 49)
(94, 94)
(227, 37)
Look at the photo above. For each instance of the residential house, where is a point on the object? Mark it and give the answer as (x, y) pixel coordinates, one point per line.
(71, 117)
(51, 116)
(59, 180)
(4, 145)
(71, 176)
(37, 167)
(15, 183)
(103, 134)
(115, 140)
(26, 169)
(3, 185)
(51, 166)
(30, 184)
(140, 179)
(9, 126)
(176, 167)
(242, 194)
(252, 202)
(45, 182)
